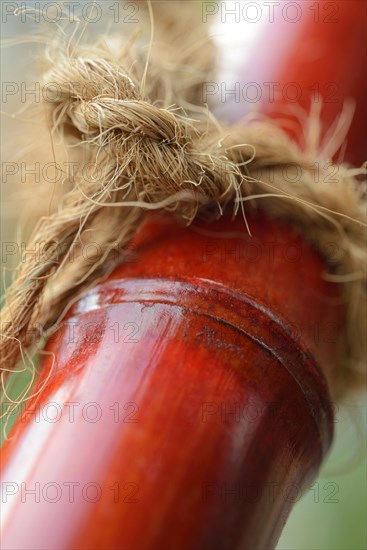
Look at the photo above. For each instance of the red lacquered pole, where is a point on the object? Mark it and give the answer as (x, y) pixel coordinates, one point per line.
(186, 408)
(308, 52)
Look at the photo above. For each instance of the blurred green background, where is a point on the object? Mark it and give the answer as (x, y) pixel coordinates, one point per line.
(332, 513)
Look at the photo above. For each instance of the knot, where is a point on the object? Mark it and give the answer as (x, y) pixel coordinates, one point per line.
(95, 96)
(86, 78)
(128, 116)
(150, 151)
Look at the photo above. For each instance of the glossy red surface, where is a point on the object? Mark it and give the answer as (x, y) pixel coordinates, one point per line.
(309, 52)
(185, 408)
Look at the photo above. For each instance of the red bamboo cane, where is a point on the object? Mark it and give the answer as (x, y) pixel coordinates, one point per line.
(189, 408)
(305, 53)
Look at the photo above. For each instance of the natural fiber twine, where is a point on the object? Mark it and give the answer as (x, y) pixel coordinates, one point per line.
(137, 116)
